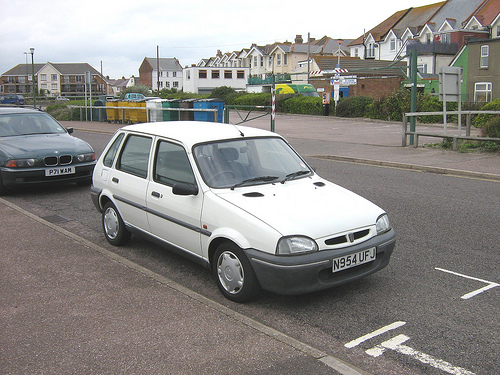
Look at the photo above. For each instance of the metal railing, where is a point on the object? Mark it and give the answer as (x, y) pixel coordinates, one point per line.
(414, 135)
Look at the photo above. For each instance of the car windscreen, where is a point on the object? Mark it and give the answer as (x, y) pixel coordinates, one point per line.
(248, 161)
(27, 124)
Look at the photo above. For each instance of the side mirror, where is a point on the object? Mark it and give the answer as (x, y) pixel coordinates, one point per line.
(69, 130)
(184, 189)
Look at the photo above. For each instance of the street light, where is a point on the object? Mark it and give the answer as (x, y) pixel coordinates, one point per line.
(27, 86)
(32, 51)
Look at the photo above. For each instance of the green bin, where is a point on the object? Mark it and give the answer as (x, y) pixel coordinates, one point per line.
(170, 115)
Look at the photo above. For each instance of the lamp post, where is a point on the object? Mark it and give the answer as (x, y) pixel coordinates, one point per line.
(32, 51)
(27, 84)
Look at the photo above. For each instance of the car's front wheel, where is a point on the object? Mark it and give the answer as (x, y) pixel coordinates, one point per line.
(114, 229)
(234, 273)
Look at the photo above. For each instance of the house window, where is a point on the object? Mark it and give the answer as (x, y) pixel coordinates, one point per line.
(285, 59)
(428, 38)
(270, 61)
(53, 77)
(393, 45)
(188, 75)
(240, 74)
(356, 52)
(228, 74)
(43, 77)
(262, 61)
(175, 84)
(54, 86)
(485, 51)
(167, 84)
(215, 74)
(174, 74)
(278, 59)
(79, 78)
(482, 91)
(445, 38)
(498, 30)
(202, 74)
(255, 61)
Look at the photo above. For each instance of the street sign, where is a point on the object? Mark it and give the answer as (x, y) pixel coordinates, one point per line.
(348, 81)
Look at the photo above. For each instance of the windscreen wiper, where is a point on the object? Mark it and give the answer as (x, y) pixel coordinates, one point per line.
(255, 179)
(293, 175)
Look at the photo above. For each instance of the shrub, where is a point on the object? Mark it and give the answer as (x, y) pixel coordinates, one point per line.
(353, 106)
(60, 112)
(377, 110)
(253, 99)
(492, 128)
(305, 105)
(481, 120)
(428, 103)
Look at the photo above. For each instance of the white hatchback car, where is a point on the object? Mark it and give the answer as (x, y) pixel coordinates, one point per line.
(240, 201)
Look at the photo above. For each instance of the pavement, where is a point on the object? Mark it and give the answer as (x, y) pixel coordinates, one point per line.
(70, 306)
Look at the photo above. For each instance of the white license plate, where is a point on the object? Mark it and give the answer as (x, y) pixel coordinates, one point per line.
(353, 260)
(59, 171)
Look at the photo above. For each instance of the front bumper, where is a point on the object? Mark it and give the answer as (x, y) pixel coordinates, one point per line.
(32, 176)
(311, 272)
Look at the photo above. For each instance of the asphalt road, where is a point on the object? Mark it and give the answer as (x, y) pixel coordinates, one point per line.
(429, 312)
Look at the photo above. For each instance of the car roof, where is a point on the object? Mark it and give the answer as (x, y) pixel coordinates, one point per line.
(11, 110)
(194, 132)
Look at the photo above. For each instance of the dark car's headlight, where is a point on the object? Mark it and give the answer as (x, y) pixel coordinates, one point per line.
(22, 163)
(296, 245)
(85, 158)
(383, 224)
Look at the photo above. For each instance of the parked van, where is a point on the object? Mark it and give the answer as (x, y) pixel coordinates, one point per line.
(302, 89)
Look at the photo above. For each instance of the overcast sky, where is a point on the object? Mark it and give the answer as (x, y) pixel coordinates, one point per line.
(119, 34)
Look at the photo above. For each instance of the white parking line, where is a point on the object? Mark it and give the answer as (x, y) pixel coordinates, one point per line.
(395, 344)
(359, 340)
(475, 292)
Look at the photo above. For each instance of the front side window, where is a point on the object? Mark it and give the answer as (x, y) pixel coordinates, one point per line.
(172, 165)
(134, 158)
(251, 161)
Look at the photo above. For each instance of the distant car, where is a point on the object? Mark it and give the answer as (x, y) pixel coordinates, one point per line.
(240, 201)
(62, 99)
(12, 99)
(35, 148)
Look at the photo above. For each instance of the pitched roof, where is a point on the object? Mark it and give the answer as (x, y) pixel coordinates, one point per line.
(166, 63)
(459, 10)
(22, 69)
(379, 31)
(487, 12)
(416, 18)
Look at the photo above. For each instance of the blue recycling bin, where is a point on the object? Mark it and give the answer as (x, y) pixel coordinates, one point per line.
(208, 104)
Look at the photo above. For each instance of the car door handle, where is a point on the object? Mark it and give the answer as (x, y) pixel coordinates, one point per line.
(115, 180)
(156, 194)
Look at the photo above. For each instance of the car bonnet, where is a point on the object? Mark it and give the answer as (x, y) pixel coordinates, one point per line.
(310, 207)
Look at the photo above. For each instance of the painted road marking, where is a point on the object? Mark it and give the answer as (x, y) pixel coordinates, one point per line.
(387, 328)
(396, 344)
(489, 285)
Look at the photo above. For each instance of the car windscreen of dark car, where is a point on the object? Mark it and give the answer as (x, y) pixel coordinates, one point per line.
(16, 124)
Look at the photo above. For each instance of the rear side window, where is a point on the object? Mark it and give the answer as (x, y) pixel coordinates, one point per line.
(110, 155)
(135, 156)
(172, 165)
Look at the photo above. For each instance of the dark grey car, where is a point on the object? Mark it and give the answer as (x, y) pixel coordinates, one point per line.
(35, 149)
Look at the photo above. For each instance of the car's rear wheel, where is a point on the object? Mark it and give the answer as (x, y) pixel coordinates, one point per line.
(234, 273)
(114, 229)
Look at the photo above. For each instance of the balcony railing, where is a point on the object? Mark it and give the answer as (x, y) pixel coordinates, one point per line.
(435, 47)
(268, 80)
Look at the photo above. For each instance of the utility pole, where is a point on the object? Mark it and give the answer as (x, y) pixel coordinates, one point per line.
(413, 80)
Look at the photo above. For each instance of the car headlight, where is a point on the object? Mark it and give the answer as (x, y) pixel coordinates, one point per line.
(22, 163)
(383, 224)
(296, 245)
(85, 157)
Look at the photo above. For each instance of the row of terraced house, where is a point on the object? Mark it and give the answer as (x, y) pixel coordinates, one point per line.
(463, 33)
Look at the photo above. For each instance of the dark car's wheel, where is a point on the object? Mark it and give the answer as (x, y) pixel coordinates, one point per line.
(114, 228)
(234, 274)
